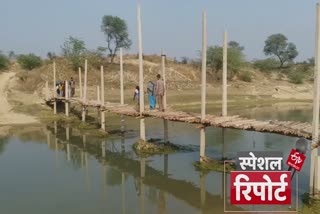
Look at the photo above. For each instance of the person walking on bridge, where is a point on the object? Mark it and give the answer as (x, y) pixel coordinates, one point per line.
(151, 95)
(72, 87)
(160, 92)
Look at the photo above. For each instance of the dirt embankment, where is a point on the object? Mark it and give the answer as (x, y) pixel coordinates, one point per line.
(7, 115)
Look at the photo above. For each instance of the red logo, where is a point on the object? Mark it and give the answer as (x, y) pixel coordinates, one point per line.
(296, 160)
(260, 187)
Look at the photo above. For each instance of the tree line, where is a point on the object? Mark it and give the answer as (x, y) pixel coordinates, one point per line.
(279, 51)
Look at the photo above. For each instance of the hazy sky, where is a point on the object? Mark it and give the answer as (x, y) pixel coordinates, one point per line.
(39, 26)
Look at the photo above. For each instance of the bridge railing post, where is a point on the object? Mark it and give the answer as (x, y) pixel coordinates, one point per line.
(67, 97)
(141, 92)
(224, 76)
(103, 123)
(203, 84)
(54, 88)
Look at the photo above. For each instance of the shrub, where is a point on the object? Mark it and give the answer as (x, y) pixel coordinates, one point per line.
(266, 65)
(74, 49)
(246, 76)
(4, 62)
(296, 77)
(29, 61)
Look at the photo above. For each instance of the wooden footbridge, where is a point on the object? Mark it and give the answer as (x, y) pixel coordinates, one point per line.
(289, 128)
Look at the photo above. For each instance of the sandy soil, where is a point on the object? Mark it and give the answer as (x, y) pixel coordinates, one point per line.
(7, 115)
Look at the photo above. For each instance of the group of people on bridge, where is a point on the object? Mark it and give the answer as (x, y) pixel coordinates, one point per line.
(61, 88)
(155, 93)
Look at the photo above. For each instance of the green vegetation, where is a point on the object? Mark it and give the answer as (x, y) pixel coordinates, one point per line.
(152, 147)
(116, 31)
(4, 62)
(245, 76)
(213, 165)
(296, 77)
(29, 61)
(310, 205)
(278, 46)
(74, 50)
(266, 65)
(235, 59)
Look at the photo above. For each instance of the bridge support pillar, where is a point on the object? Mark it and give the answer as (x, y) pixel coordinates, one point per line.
(83, 113)
(67, 98)
(202, 144)
(224, 76)
(103, 122)
(315, 122)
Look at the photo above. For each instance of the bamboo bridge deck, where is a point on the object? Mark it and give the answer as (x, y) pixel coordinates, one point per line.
(288, 128)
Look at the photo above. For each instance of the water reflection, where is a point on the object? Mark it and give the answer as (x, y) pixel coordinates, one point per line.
(107, 168)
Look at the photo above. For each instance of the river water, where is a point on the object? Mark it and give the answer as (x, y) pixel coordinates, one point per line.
(56, 168)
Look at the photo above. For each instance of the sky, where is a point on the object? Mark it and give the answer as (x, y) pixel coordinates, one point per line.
(40, 26)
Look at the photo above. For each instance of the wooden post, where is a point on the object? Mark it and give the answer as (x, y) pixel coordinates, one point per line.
(140, 62)
(204, 66)
(142, 124)
(85, 91)
(54, 88)
(98, 94)
(66, 98)
(142, 130)
(121, 78)
(47, 90)
(203, 84)
(165, 131)
(316, 94)
(80, 84)
(163, 71)
(224, 76)
(103, 123)
(85, 81)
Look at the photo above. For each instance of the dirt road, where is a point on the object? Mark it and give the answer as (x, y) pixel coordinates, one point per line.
(7, 116)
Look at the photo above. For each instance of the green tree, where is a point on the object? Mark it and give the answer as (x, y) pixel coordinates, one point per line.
(277, 45)
(4, 62)
(116, 32)
(236, 45)
(29, 61)
(74, 49)
(11, 55)
(235, 58)
(51, 55)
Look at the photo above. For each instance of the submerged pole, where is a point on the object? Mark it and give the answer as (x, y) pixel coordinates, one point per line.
(224, 76)
(316, 94)
(103, 123)
(80, 84)
(163, 71)
(54, 88)
(121, 78)
(203, 84)
(141, 97)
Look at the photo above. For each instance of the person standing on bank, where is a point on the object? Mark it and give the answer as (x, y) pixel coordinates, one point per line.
(151, 95)
(160, 92)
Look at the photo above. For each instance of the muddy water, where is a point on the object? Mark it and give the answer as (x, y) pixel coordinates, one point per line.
(60, 169)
